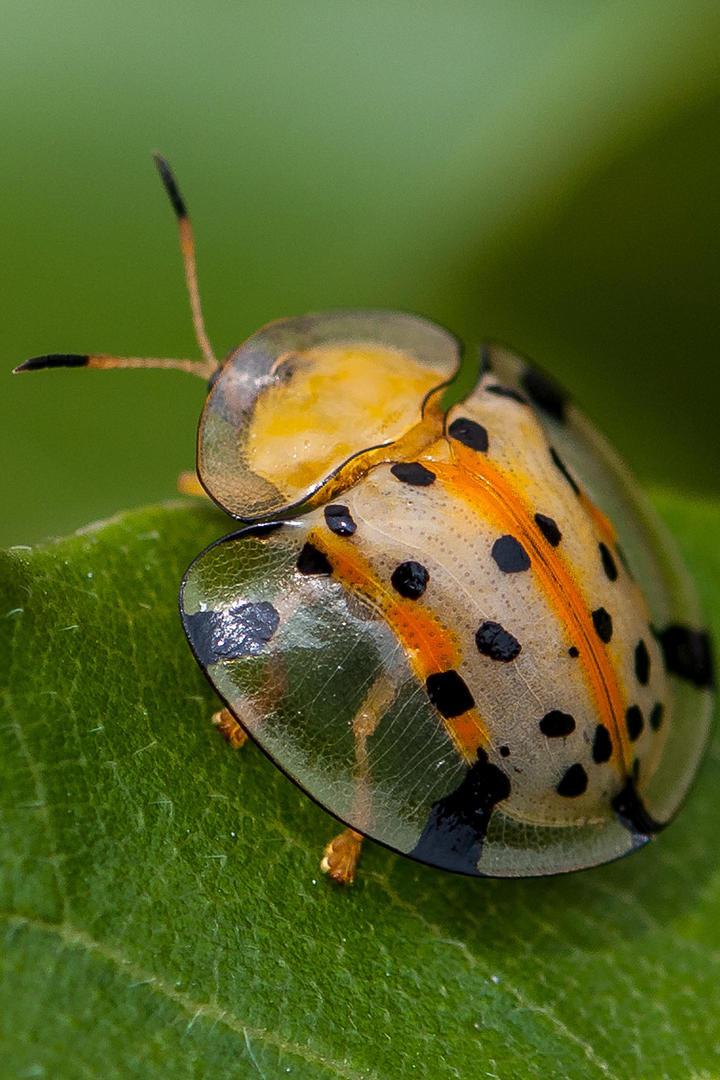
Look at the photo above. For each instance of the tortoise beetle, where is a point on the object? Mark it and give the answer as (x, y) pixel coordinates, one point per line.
(460, 630)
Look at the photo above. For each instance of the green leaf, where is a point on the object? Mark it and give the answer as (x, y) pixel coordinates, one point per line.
(162, 908)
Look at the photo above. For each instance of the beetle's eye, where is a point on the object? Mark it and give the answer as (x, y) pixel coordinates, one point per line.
(285, 367)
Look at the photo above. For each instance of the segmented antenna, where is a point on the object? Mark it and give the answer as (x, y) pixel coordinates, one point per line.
(205, 368)
(187, 247)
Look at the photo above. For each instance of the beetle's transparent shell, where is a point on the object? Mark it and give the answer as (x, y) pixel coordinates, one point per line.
(432, 640)
(303, 396)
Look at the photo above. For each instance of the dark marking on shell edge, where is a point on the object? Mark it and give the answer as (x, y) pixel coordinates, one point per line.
(548, 527)
(688, 653)
(228, 635)
(573, 651)
(312, 561)
(469, 433)
(633, 813)
(544, 392)
(656, 716)
(560, 464)
(494, 641)
(412, 472)
(507, 392)
(510, 556)
(339, 520)
(573, 783)
(449, 693)
(410, 579)
(611, 571)
(602, 621)
(458, 823)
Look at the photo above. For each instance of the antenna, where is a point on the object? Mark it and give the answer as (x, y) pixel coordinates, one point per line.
(205, 368)
(187, 247)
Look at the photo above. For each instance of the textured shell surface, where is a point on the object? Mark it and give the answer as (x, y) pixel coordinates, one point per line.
(462, 632)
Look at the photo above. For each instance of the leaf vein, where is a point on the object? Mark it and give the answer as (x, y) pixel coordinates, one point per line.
(72, 937)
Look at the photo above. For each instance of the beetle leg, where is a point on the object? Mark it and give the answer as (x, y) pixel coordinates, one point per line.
(189, 484)
(229, 728)
(342, 853)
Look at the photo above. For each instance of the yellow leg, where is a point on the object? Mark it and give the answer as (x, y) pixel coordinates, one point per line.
(229, 728)
(341, 856)
(188, 484)
(342, 853)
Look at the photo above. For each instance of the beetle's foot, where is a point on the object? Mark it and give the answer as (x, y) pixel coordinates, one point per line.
(229, 728)
(188, 484)
(341, 857)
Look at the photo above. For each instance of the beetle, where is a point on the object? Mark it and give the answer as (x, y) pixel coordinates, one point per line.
(458, 628)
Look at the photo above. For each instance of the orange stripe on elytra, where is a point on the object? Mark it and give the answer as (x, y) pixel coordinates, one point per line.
(604, 525)
(484, 487)
(429, 646)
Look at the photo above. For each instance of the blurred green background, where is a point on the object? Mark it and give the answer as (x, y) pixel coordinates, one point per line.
(544, 174)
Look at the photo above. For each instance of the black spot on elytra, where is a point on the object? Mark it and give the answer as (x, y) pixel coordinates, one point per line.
(457, 824)
(312, 561)
(573, 783)
(549, 529)
(573, 651)
(495, 641)
(449, 693)
(507, 392)
(412, 472)
(510, 556)
(556, 724)
(410, 579)
(560, 464)
(339, 520)
(504, 751)
(602, 745)
(688, 653)
(608, 563)
(642, 663)
(544, 392)
(469, 433)
(602, 621)
(656, 715)
(633, 813)
(228, 635)
(634, 722)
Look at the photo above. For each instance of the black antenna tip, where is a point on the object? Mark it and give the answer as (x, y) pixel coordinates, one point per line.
(170, 186)
(37, 363)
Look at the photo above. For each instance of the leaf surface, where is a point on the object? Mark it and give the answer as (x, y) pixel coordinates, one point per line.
(162, 909)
